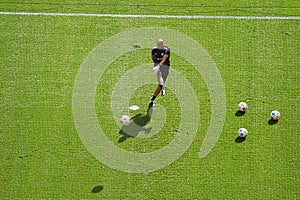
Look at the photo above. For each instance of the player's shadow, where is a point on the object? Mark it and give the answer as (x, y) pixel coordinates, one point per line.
(97, 189)
(239, 139)
(135, 126)
(239, 113)
(272, 121)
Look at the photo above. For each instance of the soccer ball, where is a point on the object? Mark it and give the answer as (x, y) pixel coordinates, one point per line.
(242, 106)
(242, 132)
(125, 119)
(275, 114)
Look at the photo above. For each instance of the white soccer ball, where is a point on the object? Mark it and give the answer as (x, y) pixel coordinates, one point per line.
(125, 119)
(275, 114)
(242, 106)
(242, 132)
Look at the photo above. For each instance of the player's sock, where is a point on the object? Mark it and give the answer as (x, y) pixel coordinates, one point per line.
(151, 104)
(153, 98)
(162, 89)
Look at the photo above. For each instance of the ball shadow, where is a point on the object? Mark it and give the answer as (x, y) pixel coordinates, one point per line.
(97, 189)
(239, 113)
(239, 139)
(135, 126)
(272, 121)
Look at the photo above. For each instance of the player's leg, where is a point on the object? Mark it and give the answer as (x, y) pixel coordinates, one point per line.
(161, 83)
(156, 93)
(164, 74)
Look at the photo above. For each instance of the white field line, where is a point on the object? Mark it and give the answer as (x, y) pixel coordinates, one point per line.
(153, 16)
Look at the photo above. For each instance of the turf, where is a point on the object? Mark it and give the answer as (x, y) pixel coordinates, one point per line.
(42, 156)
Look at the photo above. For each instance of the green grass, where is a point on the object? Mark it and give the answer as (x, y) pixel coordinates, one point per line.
(227, 7)
(42, 156)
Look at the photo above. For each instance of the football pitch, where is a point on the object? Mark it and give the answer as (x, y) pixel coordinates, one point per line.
(71, 69)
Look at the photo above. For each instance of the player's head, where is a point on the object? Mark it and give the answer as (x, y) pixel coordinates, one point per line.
(160, 44)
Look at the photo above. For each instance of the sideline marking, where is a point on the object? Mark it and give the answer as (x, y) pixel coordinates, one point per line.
(153, 16)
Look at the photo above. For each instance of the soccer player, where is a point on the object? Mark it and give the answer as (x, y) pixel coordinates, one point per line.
(161, 60)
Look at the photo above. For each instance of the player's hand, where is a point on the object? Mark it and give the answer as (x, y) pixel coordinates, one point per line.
(156, 69)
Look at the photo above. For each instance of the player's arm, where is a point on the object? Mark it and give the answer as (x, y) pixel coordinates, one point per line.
(165, 57)
(153, 57)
